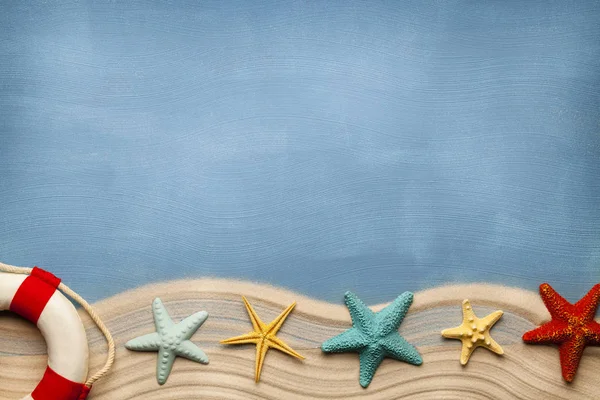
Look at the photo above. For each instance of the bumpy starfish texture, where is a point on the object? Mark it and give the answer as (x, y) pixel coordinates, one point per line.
(374, 336)
(264, 337)
(170, 340)
(474, 332)
(572, 327)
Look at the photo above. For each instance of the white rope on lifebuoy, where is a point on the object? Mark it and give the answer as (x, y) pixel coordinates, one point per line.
(68, 354)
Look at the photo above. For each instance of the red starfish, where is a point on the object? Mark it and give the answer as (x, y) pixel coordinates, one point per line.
(572, 327)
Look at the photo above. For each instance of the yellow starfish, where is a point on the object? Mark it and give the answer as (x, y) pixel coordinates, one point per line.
(474, 332)
(264, 336)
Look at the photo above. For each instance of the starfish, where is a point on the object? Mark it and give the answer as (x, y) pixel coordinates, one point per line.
(264, 336)
(572, 327)
(374, 336)
(474, 332)
(170, 340)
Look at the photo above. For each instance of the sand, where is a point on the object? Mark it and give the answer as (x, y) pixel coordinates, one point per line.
(525, 371)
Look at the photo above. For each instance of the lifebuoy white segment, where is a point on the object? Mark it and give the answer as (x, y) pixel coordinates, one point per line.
(36, 298)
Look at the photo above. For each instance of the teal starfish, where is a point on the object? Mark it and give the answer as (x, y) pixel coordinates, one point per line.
(170, 340)
(374, 336)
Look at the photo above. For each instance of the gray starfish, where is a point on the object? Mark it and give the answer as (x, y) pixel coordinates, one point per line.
(170, 340)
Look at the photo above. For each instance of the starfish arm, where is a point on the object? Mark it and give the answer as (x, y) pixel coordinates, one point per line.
(466, 351)
(493, 346)
(251, 337)
(164, 365)
(190, 325)
(276, 324)
(280, 345)
(189, 350)
(593, 333)
(398, 348)
(257, 324)
(454, 333)
(555, 332)
(350, 340)
(162, 320)
(362, 316)
(491, 319)
(557, 306)
(149, 342)
(589, 303)
(370, 358)
(570, 355)
(261, 352)
(390, 318)
(467, 310)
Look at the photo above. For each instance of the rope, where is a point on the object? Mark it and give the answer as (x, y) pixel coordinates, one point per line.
(69, 292)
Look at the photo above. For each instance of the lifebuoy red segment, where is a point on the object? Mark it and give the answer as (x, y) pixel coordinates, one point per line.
(55, 387)
(84, 392)
(33, 294)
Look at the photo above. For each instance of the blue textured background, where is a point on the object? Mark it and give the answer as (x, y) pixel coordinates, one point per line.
(320, 146)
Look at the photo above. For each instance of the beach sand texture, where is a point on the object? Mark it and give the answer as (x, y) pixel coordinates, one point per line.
(524, 372)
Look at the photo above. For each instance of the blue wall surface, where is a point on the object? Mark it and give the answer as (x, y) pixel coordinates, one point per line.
(319, 146)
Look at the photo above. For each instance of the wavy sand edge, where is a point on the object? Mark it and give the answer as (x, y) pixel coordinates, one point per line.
(524, 372)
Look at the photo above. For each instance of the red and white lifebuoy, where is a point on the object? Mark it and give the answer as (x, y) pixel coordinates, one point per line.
(36, 298)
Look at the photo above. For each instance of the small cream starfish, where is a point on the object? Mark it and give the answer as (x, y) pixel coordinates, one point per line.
(474, 332)
(264, 336)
